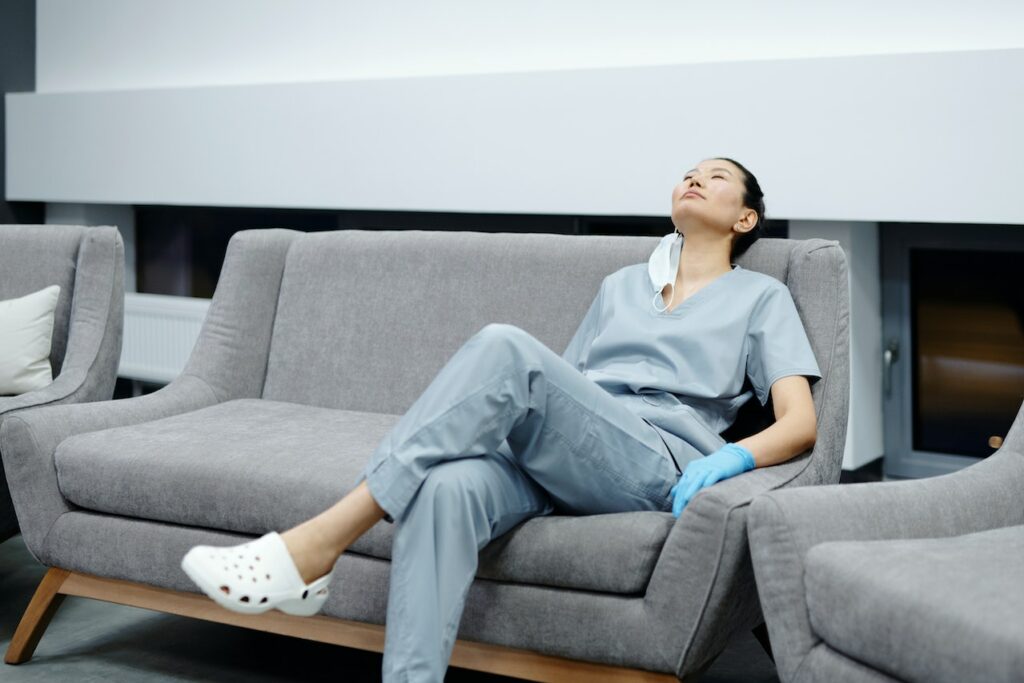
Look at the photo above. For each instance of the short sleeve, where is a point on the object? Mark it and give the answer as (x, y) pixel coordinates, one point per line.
(579, 346)
(777, 344)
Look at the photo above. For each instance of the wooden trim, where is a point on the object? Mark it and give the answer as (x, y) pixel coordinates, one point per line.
(466, 654)
(45, 602)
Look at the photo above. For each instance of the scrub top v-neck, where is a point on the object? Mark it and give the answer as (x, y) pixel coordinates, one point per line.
(687, 300)
(693, 367)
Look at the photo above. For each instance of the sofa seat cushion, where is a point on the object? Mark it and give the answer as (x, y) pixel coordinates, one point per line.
(940, 609)
(254, 465)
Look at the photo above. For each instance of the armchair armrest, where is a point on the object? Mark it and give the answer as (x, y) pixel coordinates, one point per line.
(89, 367)
(784, 525)
(29, 438)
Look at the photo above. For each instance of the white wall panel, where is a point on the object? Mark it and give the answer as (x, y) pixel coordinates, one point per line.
(124, 44)
(928, 137)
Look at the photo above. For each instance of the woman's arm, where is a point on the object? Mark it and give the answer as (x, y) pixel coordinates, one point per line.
(793, 432)
(795, 428)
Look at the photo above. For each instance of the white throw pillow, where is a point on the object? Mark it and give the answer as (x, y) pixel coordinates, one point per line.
(26, 333)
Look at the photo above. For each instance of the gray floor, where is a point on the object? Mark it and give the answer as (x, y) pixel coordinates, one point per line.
(95, 641)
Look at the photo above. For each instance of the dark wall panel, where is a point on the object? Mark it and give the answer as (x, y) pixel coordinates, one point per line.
(17, 74)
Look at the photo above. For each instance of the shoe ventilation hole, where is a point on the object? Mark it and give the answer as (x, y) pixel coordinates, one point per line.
(226, 590)
(263, 601)
(304, 594)
(244, 598)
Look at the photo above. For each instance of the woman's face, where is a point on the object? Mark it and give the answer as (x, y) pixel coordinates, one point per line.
(711, 195)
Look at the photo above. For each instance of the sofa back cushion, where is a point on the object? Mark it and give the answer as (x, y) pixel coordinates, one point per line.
(366, 319)
(36, 256)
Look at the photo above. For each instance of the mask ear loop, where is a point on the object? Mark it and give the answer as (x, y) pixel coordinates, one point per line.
(657, 295)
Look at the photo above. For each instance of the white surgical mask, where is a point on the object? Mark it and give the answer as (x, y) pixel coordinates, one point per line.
(663, 266)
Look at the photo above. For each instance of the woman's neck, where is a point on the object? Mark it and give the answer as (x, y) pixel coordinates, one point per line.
(702, 259)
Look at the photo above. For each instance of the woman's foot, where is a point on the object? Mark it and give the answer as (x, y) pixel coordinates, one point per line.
(311, 553)
(316, 544)
(254, 577)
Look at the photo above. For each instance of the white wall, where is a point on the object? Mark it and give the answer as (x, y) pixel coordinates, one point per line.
(119, 44)
(925, 137)
(865, 428)
(246, 102)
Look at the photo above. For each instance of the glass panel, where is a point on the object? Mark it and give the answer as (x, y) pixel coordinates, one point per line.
(967, 328)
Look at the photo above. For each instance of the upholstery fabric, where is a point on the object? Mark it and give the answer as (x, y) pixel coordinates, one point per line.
(387, 343)
(301, 319)
(786, 525)
(230, 355)
(825, 664)
(26, 434)
(253, 466)
(598, 627)
(934, 609)
(88, 265)
(37, 256)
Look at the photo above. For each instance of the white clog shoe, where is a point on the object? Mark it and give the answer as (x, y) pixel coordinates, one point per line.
(254, 577)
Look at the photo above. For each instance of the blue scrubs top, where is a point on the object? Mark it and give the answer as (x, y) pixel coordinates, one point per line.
(695, 365)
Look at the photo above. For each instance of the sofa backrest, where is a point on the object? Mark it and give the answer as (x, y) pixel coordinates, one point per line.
(36, 256)
(366, 319)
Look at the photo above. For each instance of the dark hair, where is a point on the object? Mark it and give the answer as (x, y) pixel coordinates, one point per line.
(753, 198)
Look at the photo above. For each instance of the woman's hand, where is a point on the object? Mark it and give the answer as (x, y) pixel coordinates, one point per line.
(728, 461)
(793, 432)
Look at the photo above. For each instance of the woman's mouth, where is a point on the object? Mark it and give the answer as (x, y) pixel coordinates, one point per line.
(691, 194)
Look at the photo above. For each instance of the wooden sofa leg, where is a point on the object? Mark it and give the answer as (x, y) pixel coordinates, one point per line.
(761, 633)
(37, 617)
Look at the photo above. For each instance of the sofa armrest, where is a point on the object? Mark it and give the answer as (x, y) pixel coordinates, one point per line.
(702, 588)
(89, 368)
(784, 525)
(29, 439)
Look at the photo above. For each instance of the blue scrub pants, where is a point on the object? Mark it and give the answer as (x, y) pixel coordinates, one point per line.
(506, 431)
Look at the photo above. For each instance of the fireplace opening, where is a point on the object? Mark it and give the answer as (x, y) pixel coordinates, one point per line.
(967, 320)
(953, 343)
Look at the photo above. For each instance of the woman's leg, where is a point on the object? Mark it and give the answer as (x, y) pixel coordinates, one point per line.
(316, 544)
(504, 430)
(461, 506)
(505, 389)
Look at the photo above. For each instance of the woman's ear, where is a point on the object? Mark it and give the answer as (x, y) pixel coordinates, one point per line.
(746, 222)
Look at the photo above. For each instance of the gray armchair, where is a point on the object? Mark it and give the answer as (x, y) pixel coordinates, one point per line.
(88, 264)
(907, 580)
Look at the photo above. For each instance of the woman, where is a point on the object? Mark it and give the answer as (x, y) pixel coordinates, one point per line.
(628, 418)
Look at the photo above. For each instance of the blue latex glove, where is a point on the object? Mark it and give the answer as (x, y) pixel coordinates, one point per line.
(728, 461)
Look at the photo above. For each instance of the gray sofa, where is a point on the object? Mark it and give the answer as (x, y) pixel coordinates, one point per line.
(313, 346)
(898, 581)
(88, 264)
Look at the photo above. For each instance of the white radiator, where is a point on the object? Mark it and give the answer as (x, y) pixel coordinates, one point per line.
(159, 333)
